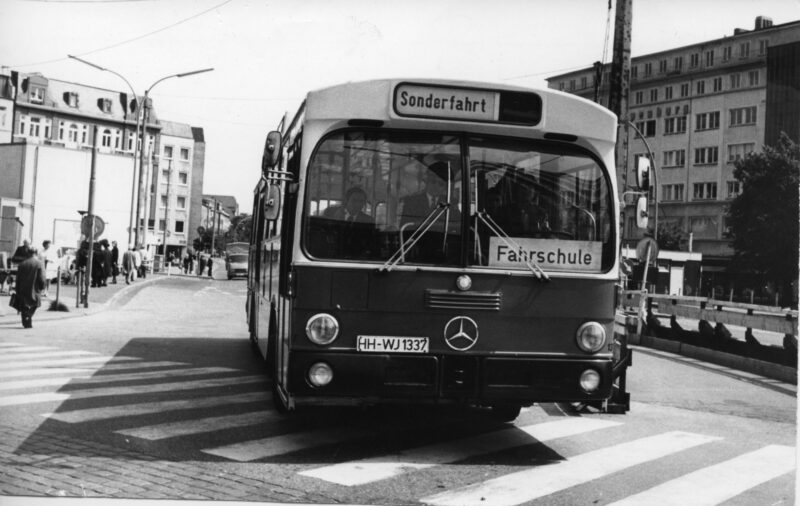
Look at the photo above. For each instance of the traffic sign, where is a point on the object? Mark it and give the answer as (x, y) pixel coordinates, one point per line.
(647, 245)
(86, 226)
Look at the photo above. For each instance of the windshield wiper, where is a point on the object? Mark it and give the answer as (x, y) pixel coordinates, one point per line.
(405, 245)
(537, 271)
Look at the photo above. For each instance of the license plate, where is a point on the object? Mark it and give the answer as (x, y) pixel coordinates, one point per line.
(392, 344)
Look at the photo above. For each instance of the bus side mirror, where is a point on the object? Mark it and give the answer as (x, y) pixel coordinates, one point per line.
(272, 151)
(641, 212)
(643, 173)
(272, 203)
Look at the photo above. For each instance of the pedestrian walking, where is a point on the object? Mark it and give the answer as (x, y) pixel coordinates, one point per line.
(50, 259)
(210, 264)
(29, 285)
(128, 265)
(137, 262)
(114, 262)
(108, 270)
(202, 264)
(141, 269)
(98, 265)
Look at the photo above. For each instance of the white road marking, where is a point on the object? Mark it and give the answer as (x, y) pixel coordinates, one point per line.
(67, 361)
(720, 482)
(380, 468)
(9, 352)
(86, 377)
(530, 484)
(78, 369)
(129, 390)
(10, 345)
(7, 358)
(146, 408)
(199, 425)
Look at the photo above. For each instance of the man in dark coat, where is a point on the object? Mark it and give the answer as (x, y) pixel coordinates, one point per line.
(98, 265)
(29, 285)
(114, 262)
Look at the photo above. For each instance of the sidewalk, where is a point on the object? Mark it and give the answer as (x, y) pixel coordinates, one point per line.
(99, 299)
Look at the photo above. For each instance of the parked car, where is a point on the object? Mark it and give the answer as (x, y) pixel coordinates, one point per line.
(236, 259)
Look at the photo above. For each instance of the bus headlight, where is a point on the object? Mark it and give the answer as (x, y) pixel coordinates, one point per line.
(322, 329)
(591, 337)
(590, 380)
(320, 374)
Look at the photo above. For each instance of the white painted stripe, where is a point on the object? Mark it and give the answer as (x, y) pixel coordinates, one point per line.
(66, 361)
(90, 368)
(146, 408)
(9, 352)
(287, 443)
(720, 482)
(10, 345)
(368, 470)
(17, 400)
(86, 377)
(134, 389)
(11, 357)
(530, 484)
(199, 425)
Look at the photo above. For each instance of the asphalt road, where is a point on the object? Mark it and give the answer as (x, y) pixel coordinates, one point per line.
(162, 398)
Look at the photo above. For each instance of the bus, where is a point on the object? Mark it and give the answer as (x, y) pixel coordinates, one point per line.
(437, 242)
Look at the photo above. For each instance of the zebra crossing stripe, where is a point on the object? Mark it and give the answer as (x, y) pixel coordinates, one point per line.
(85, 377)
(54, 371)
(67, 361)
(78, 369)
(130, 390)
(720, 482)
(10, 345)
(369, 470)
(147, 408)
(199, 425)
(9, 352)
(530, 484)
(14, 357)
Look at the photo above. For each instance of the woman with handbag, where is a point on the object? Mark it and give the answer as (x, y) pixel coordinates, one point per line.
(29, 285)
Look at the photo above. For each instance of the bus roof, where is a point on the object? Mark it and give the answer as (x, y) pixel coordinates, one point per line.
(374, 100)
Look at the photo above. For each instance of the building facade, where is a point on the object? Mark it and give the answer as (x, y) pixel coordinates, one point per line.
(700, 108)
(46, 159)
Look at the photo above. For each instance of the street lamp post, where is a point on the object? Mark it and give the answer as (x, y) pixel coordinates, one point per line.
(140, 205)
(136, 147)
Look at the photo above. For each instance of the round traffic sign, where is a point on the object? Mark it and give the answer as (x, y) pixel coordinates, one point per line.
(642, 247)
(86, 226)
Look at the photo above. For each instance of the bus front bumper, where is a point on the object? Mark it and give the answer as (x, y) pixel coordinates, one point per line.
(478, 379)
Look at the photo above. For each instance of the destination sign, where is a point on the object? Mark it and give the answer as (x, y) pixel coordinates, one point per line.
(549, 254)
(438, 102)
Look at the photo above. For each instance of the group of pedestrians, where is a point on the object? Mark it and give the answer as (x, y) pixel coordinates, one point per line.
(205, 263)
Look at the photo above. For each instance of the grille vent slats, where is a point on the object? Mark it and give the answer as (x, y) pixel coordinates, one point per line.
(443, 299)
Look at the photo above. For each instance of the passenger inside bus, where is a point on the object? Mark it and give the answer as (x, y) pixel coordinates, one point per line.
(345, 231)
(353, 208)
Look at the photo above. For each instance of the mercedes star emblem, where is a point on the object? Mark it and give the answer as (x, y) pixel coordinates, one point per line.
(461, 333)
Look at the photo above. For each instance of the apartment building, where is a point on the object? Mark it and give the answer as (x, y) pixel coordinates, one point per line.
(700, 108)
(47, 130)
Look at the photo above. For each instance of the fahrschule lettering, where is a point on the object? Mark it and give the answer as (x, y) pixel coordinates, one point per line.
(558, 257)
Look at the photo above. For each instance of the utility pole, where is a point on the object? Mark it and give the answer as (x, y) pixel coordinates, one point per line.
(90, 214)
(166, 215)
(620, 84)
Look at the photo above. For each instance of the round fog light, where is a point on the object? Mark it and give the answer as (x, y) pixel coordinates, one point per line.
(590, 380)
(320, 374)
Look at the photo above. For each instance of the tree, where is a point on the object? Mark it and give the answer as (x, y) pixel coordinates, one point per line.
(239, 231)
(764, 216)
(670, 236)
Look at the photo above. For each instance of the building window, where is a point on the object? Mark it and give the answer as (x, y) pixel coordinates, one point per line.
(105, 105)
(701, 87)
(727, 51)
(648, 128)
(648, 69)
(105, 138)
(684, 90)
(672, 192)
(71, 98)
(710, 58)
(736, 81)
(706, 156)
(634, 72)
(744, 50)
(707, 121)
(743, 116)
(704, 227)
(739, 151)
(181, 203)
(162, 225)
(752, 77)
(168, 152)
(185, 154)
(694, 60)
(72, 133)
(717, 84)
(734, 189)
(583, 82)
(654, 95)
(37, 95)
(164, 200)
(165, 176)
(561, 86)
(675, 125)
(638, 98)
(178, 227)
(704, 191)
(678, 62)
(183, 178)
(668, 93)
(762, 47)
(674, 158)
(662, 66)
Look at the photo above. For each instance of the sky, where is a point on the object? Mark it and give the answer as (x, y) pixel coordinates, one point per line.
(267, 54)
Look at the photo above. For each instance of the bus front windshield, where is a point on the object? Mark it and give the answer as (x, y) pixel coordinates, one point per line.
(457, 201)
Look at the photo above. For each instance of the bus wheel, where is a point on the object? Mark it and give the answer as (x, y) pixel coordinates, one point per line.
(506, 412)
